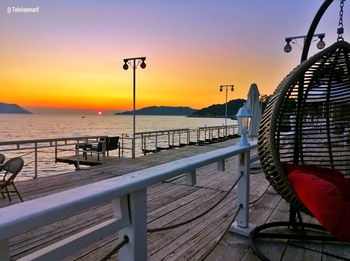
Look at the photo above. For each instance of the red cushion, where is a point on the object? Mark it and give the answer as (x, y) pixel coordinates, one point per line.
(315, 169)
(324, 201)
(331, 175)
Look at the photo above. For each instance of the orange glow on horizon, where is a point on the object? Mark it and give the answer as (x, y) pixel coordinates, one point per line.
(90, 86)
(85, 72)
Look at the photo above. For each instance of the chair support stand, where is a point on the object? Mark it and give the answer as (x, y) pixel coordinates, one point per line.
(301, 234)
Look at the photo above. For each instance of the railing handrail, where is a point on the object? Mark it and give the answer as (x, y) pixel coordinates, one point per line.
(49, 140)
(161, 131)
(218, 126)
(39, 212)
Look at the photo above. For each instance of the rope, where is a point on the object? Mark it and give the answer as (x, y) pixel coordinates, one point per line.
(116, 249)
(151, 230)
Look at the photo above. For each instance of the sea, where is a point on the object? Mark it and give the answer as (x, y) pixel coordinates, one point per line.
(16, 127)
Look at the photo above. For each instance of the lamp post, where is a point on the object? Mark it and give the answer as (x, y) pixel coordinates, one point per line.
(226, 90)
(320, 45)
(243, 117)
(134, 63)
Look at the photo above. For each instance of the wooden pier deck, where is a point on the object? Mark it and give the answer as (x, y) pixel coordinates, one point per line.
(169, 203)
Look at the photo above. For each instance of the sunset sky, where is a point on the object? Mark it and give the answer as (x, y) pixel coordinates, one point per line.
(69, 55)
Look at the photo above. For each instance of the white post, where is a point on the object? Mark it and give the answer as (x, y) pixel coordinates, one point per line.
(221, 165)
(191, 178)
(136, 249)
(241, 225)
(4, 250)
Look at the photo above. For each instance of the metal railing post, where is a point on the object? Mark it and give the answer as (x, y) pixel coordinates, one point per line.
(55, 151)
(122, 145)
(241, 225)
(133, 147)
(142, 143)
(136, 249)
(77, 167)
(188, 136)
(104, 147)
(156, 141)
(169, 139)
(36, 160)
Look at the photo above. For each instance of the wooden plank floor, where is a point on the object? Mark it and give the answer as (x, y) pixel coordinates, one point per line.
(169, 203)
(272, 208)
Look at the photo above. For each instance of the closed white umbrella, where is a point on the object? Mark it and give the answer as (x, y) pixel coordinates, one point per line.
(254, 106)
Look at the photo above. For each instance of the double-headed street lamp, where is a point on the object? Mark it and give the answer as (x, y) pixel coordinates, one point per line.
(320, 45)
(226, 87)
(134, 63)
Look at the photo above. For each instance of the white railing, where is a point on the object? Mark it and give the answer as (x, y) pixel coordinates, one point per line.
(129, 201)
(33, 150)
(154, 141)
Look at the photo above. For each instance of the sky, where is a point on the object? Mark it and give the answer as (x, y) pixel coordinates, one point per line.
(69, 55)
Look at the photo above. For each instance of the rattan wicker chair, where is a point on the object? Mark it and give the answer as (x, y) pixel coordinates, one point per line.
(307, 122)
(11, 167)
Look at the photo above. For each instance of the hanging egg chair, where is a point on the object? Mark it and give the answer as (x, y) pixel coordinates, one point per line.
(304, 142)
(308, 119)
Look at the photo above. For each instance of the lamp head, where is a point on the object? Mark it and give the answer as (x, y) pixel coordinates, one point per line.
(220, 88)
(321, 44)
(288, 47)
(143, 65)
(243, 117)
(125, 66)
(232, 88)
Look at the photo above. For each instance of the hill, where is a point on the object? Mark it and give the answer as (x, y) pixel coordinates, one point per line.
(12, 108)
(161, 110)
(218, 110)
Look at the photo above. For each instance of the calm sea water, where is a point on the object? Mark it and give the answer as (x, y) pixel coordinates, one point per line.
(41, 126)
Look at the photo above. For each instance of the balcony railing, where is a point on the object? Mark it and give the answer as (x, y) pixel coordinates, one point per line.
(128, 196)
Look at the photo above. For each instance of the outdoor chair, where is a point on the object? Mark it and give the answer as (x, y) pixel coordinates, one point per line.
(307, 161)
(110, 143)
(12, 167)
(2, 160)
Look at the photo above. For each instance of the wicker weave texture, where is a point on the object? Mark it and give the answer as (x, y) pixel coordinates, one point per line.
(307, 119)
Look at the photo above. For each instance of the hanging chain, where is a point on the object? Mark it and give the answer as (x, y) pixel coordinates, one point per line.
(340, 29)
